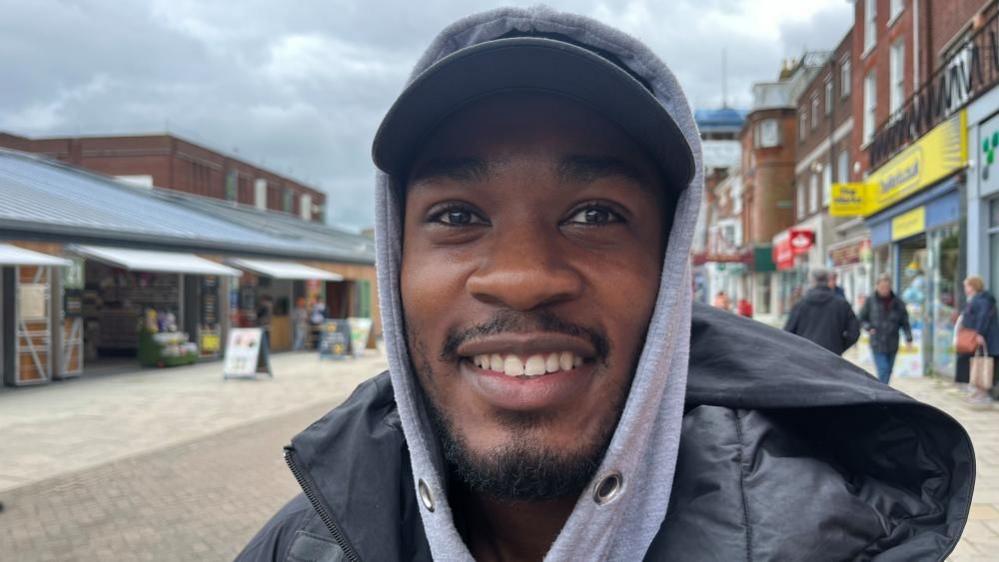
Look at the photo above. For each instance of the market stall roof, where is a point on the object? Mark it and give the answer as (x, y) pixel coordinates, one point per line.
(148, 260)
(12, 255)
(50, 200)
(284, 269)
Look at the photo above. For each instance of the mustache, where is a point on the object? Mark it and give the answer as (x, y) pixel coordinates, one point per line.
(509, 321)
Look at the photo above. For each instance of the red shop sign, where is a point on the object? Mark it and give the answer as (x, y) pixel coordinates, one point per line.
(801, 240)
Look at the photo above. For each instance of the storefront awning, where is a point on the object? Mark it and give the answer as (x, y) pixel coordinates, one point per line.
(284, 270)
(162, 262)
(12, 255)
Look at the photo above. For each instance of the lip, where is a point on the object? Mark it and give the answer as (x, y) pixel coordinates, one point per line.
(527, 344)
(542, 392)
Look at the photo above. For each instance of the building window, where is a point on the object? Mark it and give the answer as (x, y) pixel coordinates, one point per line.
(870, 24)
(802, 124)
(870, 105)
(288, 201)
(260, 194)
(231, 185)
(305, 206)
(897, 70)
(843, 167)
(829, 95)
(801, 201)
(815, 110)
(895, 9)
(826, 185)
(845, 78)
(813, 193)
(767, 134)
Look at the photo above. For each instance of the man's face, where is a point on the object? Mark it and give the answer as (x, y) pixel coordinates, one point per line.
(884, 287)
(532, 251)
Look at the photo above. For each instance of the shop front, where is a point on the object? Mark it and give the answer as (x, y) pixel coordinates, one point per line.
(791, 250)
(29, 330)
(913, 211)
(983, 189)
(157, 308)
(852, 261)
(269, 291)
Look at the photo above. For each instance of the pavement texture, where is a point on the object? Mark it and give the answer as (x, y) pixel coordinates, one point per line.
(189, 467)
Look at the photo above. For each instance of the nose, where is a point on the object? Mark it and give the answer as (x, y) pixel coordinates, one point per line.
(523, 269)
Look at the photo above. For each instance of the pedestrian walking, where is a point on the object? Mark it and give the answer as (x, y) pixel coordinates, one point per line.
(824, 317)
(883, 316)
(979, 315)
(299, 324)
(834, 284)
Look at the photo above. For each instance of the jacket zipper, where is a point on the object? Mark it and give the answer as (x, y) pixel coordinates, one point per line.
(308, 487)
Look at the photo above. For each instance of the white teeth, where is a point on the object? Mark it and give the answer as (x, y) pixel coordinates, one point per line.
(565, 360)
(496, 362)
(535, 365)
(513, 366)
(551, 363)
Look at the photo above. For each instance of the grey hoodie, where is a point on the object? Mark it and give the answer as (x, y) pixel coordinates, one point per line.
(644, 446)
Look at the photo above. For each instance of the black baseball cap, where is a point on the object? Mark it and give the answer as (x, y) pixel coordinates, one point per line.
(532, 63)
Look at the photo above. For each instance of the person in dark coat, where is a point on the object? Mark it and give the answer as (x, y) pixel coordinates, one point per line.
(883, 315)
(834, 284)
(824, 317)
(979, 314)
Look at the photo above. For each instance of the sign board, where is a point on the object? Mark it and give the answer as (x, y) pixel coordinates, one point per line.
(31, 301)
(988, 164)
(908, 224)
(850, 199)
(801, 240)
(247, 353)
(334, 340)
(360, 329)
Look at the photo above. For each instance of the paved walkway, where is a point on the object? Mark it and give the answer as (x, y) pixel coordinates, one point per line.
(72, 425)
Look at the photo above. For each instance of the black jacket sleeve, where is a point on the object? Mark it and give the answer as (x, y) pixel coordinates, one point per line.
(904, 315)
(851, 332)
(792, 320)
(273, 541)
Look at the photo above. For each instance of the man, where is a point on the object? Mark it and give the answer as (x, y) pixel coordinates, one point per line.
(823, 317)
(883, 316)
(541, 185)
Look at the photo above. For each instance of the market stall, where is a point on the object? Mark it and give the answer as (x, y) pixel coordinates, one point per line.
(27, 318)
(150, 304)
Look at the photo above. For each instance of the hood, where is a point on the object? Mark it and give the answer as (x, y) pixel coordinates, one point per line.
(644, 446)
(820, 295)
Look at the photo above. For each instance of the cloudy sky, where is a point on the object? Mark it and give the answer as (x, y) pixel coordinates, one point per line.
(300, 86)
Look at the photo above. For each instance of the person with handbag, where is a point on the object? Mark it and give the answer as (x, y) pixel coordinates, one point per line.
(883, 316)
(978, 340)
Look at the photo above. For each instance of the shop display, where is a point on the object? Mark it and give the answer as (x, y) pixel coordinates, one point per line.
(161, 345)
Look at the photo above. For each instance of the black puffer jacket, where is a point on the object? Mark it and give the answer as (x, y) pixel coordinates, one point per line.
(825, 318)
(886, 321)
(773, 465)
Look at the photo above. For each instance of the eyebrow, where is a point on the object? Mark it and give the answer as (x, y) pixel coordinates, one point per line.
(588, 169)
(460, 169)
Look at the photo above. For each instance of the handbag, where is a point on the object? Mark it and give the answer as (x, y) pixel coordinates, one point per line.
(966, 341)
(982, 372)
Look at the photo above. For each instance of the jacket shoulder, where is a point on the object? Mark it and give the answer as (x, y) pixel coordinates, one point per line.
(274, 542)
(759, 484)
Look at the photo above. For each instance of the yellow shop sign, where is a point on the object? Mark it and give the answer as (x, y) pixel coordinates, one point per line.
(938, 154)
(908, 224)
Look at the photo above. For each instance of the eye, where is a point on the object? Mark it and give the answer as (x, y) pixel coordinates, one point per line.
(592, 215)
(455, 215)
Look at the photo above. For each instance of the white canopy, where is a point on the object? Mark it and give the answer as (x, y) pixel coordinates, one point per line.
(149, 260)
(12, 255)
(284, 269)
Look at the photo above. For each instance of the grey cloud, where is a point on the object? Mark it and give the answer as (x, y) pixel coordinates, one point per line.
(301, 86)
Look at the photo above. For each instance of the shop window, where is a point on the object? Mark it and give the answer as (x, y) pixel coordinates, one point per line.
(947, 288)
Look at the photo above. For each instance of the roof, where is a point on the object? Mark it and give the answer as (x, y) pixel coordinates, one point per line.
(45, 199)
(721, 119)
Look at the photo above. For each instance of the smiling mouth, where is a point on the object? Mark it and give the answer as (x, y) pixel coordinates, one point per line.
(534, 365)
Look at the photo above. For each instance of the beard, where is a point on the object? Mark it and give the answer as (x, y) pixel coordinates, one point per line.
(524, 468)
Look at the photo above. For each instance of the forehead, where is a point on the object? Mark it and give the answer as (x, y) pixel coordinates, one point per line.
(516, 127)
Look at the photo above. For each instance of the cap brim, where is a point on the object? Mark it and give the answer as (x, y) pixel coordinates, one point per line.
(531, 64)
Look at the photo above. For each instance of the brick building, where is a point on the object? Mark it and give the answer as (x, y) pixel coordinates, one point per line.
(170, 162)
